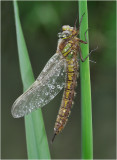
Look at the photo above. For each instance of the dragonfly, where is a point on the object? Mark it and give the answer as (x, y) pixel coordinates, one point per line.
(61, 71)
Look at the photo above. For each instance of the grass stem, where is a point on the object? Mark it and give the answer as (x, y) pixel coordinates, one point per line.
(37, 144)
(86, 110)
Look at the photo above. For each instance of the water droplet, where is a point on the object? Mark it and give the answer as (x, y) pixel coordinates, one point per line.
(46, 93)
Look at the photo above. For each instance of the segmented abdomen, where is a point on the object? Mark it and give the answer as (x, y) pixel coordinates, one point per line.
(68, 95)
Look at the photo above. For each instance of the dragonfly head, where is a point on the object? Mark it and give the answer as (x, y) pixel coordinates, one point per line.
(67, 28)
(67, 32)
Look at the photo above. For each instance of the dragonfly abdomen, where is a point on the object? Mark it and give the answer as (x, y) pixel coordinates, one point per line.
(68, 97)
(68, 47)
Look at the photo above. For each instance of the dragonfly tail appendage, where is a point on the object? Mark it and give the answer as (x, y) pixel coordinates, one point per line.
(53, 137)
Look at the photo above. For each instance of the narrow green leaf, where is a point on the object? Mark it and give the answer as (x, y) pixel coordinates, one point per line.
(86, 110)
(37, 144)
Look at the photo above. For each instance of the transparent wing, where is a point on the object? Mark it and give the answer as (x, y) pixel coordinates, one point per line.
(44, 89)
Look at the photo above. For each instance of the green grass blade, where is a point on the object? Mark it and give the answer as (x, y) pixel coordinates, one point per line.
(37, 144)
(86, 110)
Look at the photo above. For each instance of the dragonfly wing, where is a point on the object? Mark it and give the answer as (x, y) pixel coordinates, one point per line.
(48, 84)
(52, 61)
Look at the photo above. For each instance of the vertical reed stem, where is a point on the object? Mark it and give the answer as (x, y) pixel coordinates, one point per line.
(86, 110)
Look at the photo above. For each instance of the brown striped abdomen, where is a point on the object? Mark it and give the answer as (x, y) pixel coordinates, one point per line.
(68, 96)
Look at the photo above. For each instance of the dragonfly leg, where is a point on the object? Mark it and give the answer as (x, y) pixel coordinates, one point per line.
(83, 60)
(81, 21)
(81, 41)
(86, 36)
(86, 41)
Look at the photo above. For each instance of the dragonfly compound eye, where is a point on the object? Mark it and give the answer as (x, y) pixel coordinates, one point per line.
(66, 34)
(66, 28)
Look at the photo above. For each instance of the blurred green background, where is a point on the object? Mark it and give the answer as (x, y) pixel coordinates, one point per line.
(41, 21)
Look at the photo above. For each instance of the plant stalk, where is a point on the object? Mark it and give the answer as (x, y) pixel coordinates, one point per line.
(86, 107)
(37, 144)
